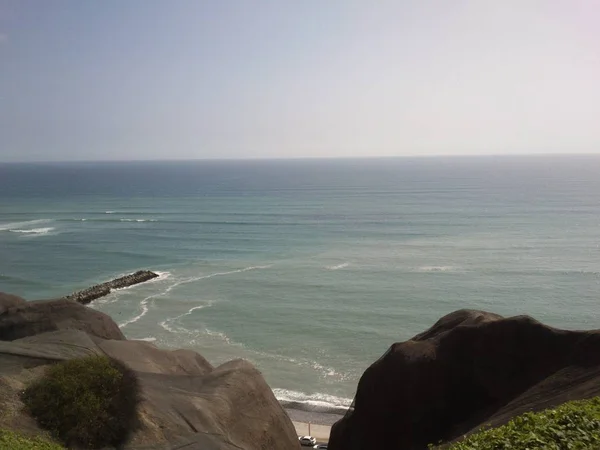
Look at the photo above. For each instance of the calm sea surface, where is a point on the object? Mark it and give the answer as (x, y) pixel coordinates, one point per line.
(310, 269)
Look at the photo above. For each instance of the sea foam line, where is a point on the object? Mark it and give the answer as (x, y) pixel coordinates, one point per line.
(436, 269)
(114, 292)
(32, 231)
(171, 325)
(317, 402)
(22, 225)
(338, 266)
(166, 324)
(144, 302)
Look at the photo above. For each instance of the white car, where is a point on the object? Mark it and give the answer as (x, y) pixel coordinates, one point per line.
(308, 441)
(321, 447)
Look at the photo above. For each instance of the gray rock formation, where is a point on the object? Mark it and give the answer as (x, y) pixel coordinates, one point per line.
(8, 301)
(186, 402)
(22, 319)
(470, 369)
(100, 290)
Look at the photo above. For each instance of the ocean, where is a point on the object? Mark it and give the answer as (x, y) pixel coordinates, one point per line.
(310, 269)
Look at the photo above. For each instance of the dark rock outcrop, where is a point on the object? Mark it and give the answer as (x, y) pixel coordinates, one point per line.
(186, 402)
(470, 369)
(30, 318)
(100, 290)
(8, 301)
(145, 357)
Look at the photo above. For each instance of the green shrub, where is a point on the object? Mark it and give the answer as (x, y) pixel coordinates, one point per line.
(573, 426)
(14, 441)
(89, 402)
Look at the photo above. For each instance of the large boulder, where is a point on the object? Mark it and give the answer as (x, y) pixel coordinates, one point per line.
(22, 319)
(471, 368)
(8, 301)
(231, 407)
(144, 356)
(185, 401)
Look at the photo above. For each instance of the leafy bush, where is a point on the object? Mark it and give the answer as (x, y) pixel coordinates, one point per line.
(89, 402)
(13, 441)
(573, 426)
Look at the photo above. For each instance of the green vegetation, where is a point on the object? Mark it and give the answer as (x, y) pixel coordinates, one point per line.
(89, 402)
(571, 426)
(14, 441)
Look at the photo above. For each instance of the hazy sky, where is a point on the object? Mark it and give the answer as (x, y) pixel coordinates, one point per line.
(149, 79)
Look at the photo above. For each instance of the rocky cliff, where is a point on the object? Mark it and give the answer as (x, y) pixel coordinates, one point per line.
(470, 369)
(187, 403)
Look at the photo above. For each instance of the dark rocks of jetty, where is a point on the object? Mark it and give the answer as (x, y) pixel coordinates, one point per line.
(472, 368)
(100, 290)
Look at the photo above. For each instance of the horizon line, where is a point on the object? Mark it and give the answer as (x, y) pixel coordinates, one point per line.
(307, 158)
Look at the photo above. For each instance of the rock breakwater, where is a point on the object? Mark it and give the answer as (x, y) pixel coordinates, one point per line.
(100, 290)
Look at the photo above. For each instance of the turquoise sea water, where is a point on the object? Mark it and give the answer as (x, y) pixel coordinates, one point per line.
(310, 269)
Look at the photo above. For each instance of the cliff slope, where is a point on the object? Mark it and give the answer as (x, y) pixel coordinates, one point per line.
(186, 401)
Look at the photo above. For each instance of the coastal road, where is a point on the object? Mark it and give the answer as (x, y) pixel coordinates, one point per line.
(319, 432)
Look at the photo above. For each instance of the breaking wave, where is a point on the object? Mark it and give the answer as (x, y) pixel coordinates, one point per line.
(22, 225)
(33, 230)
(338, 266)
(316, 402)
(437, 269)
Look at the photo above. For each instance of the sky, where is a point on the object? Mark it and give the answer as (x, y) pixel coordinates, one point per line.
(196, 79)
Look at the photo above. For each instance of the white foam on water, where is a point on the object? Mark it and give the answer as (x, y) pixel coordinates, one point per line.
(137, 220)
(144, 305)
(33, 230)
(174, 326)
(114, 292)
(144, 302)
(147, 339)
(109, 212)
(338, 266)
(167, 324)
(436, 269)
(106, 300)
(161, 277)
(220, 274)
(220, 335)
(22, 225)
(313, 402)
